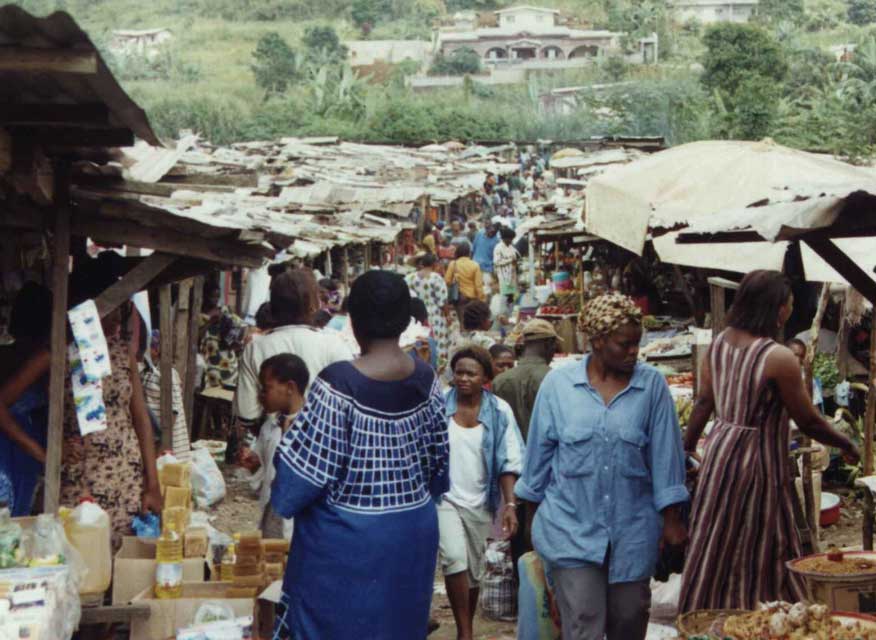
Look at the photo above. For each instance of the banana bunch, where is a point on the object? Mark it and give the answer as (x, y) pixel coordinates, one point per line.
(683, 407)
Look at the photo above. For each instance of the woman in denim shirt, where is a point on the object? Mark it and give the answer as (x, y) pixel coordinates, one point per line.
(485, 456)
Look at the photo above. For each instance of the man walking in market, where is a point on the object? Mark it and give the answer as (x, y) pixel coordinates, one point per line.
(519, 387)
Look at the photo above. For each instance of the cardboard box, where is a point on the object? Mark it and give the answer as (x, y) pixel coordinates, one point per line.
(169, 615)
(134, 569)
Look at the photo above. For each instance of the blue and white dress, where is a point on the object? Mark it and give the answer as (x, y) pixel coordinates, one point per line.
(359, 471)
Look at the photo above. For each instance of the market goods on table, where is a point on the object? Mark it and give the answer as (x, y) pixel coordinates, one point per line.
(678, 346)
(784, 621)
(845, 583)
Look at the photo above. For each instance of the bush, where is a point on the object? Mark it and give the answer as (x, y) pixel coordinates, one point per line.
(459, 63)
(862, 12)
(275, 64)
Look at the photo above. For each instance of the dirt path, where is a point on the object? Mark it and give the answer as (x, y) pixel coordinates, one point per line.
(239, 512)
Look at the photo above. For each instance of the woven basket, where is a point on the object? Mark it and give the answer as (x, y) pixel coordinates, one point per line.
(698, 624)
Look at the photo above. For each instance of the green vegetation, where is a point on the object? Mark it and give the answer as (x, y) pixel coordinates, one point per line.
(239, 70)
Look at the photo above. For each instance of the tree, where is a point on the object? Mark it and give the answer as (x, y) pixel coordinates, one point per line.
(735, 53)
(275, 64)
(459, 63)
(862, 12)
(781, 10)
(757, 100)
(323, 46)
(365, 15)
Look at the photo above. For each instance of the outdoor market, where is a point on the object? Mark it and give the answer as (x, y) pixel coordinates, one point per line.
(312, 388)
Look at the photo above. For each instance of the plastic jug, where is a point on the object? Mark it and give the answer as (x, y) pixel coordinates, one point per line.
(168, 563)
(88, 530)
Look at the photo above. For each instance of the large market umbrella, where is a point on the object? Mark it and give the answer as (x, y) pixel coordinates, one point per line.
(697, 180)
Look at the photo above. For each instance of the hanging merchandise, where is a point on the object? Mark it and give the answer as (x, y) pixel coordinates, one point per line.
(89, 339)
(89, 363)
(87, 396)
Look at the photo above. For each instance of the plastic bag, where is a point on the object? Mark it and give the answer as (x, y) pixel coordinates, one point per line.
(213, 612)
(664, 599)
(498, 596)
(148, 526)
(208, 485)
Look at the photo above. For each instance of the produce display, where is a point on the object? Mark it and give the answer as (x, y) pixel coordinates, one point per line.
(784, 621)
(824, 368)
(561, 303)
(835, 563)
(681, 379)
(683, 408)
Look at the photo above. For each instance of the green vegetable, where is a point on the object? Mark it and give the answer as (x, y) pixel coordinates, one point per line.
(824, 368)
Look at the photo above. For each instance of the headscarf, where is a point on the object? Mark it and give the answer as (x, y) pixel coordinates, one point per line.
(608, 313)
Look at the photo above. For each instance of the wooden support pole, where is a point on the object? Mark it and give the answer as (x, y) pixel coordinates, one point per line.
(193, 346)
(345, 266)
(181, 329)
(58, 362)
(166, 366)
(870, 415)
(812, 510)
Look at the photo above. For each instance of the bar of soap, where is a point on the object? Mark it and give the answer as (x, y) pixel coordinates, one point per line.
(274, 570)
(196, 542)
(175, 474)
(275, 545)
(241, 592)
(178, 497)
(256, 580)
(248, 569)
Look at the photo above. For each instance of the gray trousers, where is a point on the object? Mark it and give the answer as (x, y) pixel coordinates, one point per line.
(592, 609)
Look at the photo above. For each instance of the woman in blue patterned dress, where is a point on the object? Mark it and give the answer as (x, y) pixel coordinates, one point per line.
(430, 287)
(359, 471)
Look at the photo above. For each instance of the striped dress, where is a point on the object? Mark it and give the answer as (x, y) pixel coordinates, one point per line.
(743, 529)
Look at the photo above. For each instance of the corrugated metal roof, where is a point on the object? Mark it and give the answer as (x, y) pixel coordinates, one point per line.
(59, 32)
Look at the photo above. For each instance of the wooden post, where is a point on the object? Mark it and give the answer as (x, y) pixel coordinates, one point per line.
(328, 263)
(58, 362)
(812, 510)
(181, 329)
(345, 266)
(421, 223)
(532, 265)
(193, 346)
(870, 416)
(166, 366)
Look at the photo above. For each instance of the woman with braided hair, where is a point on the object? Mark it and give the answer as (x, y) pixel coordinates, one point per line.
(603, 477)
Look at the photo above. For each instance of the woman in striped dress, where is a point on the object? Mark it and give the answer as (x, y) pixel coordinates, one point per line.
(743, 530)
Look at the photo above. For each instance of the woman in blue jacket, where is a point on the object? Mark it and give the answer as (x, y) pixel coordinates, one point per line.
(485, 458)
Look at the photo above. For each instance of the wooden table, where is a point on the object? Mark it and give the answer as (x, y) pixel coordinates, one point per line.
(215, 404)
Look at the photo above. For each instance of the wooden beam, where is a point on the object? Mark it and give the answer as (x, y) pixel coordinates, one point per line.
(114, 614)
(58, 344)
(165, 310)
(35, 60)
(135, 280)
(18, 113)
(845, 266)
(194, 345)
(165, 240)
(66, 137)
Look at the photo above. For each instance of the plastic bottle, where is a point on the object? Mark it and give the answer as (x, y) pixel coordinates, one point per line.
(10, 540)
(88, 530)
(168, 563)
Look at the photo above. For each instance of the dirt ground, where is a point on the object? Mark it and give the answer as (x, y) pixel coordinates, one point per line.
(239, 512)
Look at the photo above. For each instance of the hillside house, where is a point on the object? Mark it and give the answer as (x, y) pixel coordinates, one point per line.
(711, 11)
(364, 53)
(525, 34)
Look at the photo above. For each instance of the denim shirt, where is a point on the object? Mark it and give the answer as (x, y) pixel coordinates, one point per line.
(602, 474)
(502, 444)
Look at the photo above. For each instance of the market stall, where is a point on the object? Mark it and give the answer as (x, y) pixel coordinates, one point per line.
(63, 120)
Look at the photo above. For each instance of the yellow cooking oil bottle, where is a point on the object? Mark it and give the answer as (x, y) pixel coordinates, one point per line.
(169, 563)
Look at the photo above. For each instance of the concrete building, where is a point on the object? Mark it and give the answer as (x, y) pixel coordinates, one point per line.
(525, 34)
(711, 11)
(364, 53)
